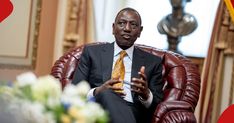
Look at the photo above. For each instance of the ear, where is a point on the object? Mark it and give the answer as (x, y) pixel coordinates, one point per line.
(113, 28)
(139, 34)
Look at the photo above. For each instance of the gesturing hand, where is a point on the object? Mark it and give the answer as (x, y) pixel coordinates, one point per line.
(140, 85)
(110, 85)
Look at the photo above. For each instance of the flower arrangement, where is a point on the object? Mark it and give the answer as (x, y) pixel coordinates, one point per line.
(41, 100)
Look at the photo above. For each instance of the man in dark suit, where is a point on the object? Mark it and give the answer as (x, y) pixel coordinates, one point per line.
(137, 99)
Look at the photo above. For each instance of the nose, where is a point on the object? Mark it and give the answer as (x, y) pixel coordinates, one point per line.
(127, 27)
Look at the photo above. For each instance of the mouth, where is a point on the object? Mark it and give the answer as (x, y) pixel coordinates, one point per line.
(126, 36)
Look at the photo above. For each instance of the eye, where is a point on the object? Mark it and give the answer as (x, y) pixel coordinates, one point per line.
(121, 23)
(134, 25)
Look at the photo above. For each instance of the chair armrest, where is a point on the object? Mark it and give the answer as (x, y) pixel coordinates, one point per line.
(174, 111)
(177, 116)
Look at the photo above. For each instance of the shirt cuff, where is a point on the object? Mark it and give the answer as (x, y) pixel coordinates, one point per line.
(147, 102)
(90, 95)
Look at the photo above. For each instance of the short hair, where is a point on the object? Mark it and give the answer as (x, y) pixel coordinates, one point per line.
(128, 9)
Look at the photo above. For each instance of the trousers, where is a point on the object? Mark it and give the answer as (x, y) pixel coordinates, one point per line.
(119, 110)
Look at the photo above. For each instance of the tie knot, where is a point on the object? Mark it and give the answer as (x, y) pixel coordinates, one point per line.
(123, 53)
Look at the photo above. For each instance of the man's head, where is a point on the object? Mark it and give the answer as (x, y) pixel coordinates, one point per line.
(179, 3)
(127, 27)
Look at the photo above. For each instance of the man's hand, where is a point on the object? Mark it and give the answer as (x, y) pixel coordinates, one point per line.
(110, 85)
(140, 85)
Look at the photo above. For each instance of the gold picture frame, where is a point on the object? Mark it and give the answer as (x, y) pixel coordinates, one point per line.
(19, 35)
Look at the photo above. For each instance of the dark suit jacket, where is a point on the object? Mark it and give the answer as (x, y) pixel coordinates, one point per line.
(95, 66)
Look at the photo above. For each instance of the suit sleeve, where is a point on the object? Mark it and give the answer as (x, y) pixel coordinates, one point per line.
(83, 68)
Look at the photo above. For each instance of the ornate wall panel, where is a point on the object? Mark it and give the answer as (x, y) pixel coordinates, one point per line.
(217, 88)
(79, 24)
(19, 38)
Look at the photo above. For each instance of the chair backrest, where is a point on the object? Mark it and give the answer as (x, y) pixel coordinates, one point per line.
(180, 75)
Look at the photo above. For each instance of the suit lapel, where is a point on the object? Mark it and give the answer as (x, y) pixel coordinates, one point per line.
(137, 62)
(107, 60)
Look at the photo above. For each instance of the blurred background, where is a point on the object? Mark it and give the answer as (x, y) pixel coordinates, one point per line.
(38, 32)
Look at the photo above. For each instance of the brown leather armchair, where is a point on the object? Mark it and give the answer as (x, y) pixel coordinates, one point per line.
(180, 75)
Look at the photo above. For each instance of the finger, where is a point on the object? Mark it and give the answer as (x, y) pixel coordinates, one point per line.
(114, 81)
(142, 75)
(142, 86)
(138, 86)
(138, 91)
(121, 93)
(119, 90)
(116, 77)
(115, 88)
(142, 70)
(138, 81)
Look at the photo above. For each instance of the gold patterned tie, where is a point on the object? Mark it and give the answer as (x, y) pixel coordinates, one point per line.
(119, 69)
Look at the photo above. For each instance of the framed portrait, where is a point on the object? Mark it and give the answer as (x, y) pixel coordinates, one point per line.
(19, 35)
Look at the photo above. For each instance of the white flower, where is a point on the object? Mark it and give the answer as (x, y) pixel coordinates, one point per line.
(47, 90)
(92, 111)
(27, 78)
(83, 88)
(73, 100)
(70, 90)
(71, 96)
(40, 100)
(35, 113)
(95, 110)
(23, 111)
(75, 94)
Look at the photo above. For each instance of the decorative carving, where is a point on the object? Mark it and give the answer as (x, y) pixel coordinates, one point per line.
(226, 17)
(71, 34)
(36, 33)
(230, 39)
(226, 36)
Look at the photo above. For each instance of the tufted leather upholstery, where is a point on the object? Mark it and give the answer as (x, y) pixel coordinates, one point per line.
(180, 75)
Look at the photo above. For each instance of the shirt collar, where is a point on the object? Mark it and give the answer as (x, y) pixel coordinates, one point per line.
(129, 51)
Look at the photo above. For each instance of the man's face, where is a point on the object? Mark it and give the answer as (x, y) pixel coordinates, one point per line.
(127, 28)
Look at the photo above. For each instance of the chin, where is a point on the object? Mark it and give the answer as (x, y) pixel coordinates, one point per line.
(125, 46)
(125, 43)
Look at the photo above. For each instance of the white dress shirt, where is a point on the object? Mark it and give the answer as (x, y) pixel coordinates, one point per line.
(127, 78)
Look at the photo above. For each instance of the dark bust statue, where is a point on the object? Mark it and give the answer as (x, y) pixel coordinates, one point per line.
(178, 23)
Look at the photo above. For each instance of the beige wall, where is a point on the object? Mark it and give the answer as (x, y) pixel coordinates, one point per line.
(45, 45)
